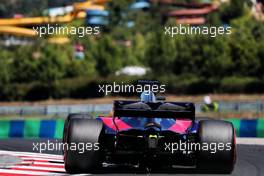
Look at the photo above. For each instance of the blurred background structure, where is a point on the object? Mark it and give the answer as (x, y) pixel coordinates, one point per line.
(131, 46)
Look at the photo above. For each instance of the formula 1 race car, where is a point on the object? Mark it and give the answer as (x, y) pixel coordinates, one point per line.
(149, 134)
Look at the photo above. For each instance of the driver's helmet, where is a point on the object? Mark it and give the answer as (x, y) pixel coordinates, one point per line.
(147, 96)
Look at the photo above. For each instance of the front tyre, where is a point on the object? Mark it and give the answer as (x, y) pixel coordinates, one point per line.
(219, 134)
(82, 133)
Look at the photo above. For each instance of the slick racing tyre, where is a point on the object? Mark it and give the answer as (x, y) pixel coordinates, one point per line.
(81, 133)
(67, 121)
(218, 154)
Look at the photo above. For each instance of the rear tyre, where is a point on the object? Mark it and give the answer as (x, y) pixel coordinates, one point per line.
(67, 121)
(219, 136)
(82, 133)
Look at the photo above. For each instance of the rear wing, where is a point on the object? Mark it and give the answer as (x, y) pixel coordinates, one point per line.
(154, 109)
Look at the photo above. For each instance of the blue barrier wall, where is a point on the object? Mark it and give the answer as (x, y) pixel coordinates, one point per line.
(39, 128)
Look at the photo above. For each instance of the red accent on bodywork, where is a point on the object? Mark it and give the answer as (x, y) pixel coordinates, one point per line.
(181, 126)
(108, 121)
(235, 150)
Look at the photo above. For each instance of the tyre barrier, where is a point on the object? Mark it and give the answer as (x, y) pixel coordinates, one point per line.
(31, 128)
(39, 128)
(248, 128)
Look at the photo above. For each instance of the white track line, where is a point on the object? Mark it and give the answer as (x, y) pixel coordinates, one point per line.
(36, 156)
(39, 168)
(31, 154)
(41, 159)
(20, 172)
(250, 141)
(42, 163)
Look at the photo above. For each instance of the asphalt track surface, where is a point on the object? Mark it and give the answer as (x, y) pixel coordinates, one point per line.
(250, 158)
